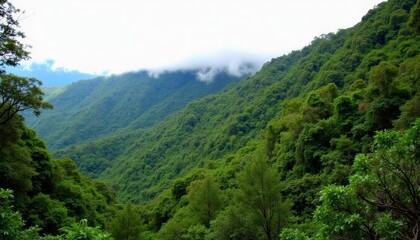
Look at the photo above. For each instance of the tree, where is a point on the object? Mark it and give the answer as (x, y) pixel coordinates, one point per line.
(127, 224)
(177, 227)
(293, 234)
(11, 50)
(233, 224)
(19, 94)
(415, 18)
(389, 179)
(205, 199)
(382, 76)
(12, 223)
(343, 215)
(382, 200)
(16, 171)
(48, 214)
(83, 231)
(260, 194)
(409, 112)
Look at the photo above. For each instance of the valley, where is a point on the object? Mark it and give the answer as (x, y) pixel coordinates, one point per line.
(320, 143)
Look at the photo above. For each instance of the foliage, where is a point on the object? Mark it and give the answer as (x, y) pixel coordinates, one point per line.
(414, 18)
(177, 227)
(48, 193)
(121, 103)
(233, 223)
(382, 76)
(382, 197)
(259, 186)
(127, 224)
(296, 151)
(292, 234)
(297, 104)
(82, 231)
(50, 214)
(204, 199)
(11, 222)
(11, 49)
(389, 179)
(19, 94)
(26, 167)
(11, 225)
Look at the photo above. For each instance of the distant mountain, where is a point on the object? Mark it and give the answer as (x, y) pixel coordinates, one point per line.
(88, 109)
(48, 76)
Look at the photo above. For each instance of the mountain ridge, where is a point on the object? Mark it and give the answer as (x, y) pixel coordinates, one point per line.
(88, 109)
(320, 143)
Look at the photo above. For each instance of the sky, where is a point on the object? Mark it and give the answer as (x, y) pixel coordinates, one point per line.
(103, 37)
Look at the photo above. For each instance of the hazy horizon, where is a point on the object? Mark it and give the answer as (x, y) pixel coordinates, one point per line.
(104, 37)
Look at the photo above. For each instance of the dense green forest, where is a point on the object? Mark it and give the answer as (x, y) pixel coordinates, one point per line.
(321, 143)
(346, 66)
(39, 195)
(88, 109)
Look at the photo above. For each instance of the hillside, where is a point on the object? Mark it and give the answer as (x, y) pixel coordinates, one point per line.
(142, 164)
(88, 109)
(321, 143)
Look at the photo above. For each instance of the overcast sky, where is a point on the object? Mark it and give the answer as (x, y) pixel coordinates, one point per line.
(110, 36)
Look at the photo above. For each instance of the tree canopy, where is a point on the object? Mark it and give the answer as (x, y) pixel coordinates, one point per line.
(12, 51)
(19, 94)
(321, 143)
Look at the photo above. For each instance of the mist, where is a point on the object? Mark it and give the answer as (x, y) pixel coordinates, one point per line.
(208, 66)
(163, 35)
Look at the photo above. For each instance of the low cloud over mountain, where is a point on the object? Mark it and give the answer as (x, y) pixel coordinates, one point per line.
(207, 66)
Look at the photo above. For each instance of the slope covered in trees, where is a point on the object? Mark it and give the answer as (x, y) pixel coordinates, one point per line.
(277, 152)
(322, 143)
(331, 95)
(49, 193)
(327, 165)
(88, 109)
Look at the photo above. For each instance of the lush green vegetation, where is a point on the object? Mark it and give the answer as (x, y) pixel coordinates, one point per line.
(305, 115)
(88, 109)
(322, 143)
(308, 104)
(50, 194)
(38, 195)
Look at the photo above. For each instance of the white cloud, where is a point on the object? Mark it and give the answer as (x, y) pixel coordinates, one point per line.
(207, 75)
(234, 63)
(97, 36)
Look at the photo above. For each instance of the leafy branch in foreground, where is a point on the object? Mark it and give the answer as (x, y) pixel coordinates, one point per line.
(11, 50)
(383, 196)
(19, 94)
(12, 225)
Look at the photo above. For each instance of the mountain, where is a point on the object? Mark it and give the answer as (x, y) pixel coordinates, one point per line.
(321, 143)
(88, 109)
(49, 76)
(221, 129)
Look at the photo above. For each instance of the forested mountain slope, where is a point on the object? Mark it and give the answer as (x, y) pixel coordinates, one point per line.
(346, 86)
(88, 109)
(322, 143)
